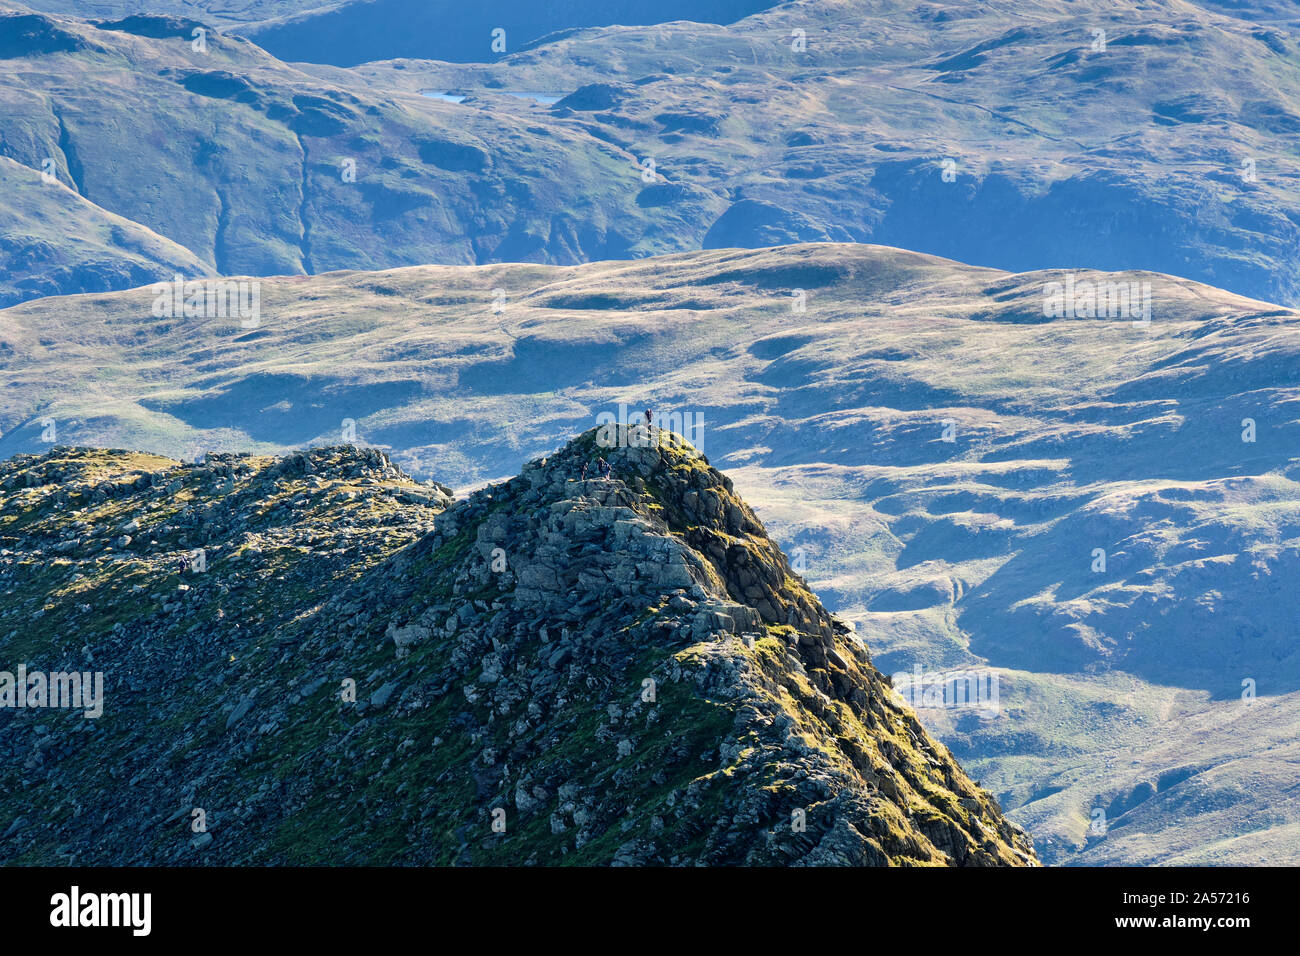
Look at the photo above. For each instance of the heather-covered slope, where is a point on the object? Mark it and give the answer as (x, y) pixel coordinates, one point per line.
(560, 670)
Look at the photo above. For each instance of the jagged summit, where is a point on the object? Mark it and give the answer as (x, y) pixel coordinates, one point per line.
(724, 549)
(667, 539)
(552, 670)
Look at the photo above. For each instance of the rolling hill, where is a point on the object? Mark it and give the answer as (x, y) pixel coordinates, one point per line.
(1020, 136)
(54, 242)
(345, 34)
(256, 167)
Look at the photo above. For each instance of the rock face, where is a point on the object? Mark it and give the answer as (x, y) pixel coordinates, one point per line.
(557, 669)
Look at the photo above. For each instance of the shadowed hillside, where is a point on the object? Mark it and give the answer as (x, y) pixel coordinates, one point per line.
(258, 168)
(355, 32)
(1020, 137)
(53, 242)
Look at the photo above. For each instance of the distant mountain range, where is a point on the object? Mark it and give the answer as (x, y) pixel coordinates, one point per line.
(258, 168)
(1035, 136)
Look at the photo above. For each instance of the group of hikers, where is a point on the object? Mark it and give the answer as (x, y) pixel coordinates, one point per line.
(602, 466)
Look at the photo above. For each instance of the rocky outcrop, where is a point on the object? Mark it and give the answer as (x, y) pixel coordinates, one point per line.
(557, 669)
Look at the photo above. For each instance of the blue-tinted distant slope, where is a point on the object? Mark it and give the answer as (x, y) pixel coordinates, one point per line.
(349, 33)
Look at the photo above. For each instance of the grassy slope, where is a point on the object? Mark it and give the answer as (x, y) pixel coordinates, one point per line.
(55, 242)
(1119, 159)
